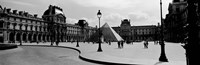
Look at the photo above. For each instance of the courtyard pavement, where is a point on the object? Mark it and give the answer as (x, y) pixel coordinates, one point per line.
(130, 54)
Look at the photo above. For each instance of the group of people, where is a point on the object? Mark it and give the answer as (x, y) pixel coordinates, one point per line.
(120, 44)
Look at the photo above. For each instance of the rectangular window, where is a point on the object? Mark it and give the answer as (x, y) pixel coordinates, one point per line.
(177, 10)
(39, 29)
(17, 19)
(1, 24)
(11, 18)
(33, 28)
(33, 22)
(23, 20)
(28, 21)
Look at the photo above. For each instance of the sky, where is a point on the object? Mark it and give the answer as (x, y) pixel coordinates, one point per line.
(140, 12)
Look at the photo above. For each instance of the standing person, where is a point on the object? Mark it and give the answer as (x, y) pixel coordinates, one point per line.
(57, 42)
(118, 44)
(109, 42)
(155, 42)
(122, 44)
(37, 42)
(145, 45)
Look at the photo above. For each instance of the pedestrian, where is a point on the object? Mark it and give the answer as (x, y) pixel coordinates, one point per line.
(57, 42)
(37, 42)
(132, 42)
(155, 42)
(118, 44)
(122, 44)
(109, 42)
(52, 43)
(145, 44)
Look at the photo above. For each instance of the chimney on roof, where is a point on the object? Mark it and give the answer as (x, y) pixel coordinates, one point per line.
(20, 12)
(8, 10)
(14, 11)
(26, 13)
(35, 15)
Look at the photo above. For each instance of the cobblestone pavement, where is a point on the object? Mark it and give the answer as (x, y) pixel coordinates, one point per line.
(35, 55)
(131, 53)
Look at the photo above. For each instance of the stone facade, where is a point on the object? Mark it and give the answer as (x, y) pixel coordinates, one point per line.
(136, 33)
(20, 26)
(175, 21)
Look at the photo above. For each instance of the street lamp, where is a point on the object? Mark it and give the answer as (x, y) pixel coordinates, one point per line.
(82, 24)
(77, 39)
(99, 16)
(163, 57)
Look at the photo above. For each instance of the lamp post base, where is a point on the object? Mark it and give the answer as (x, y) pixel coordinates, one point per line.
(77, 45)
(99, 49)
(163, 57)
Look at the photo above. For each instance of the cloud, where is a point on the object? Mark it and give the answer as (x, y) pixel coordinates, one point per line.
(113, 19)
(140, 18)
(116, 4)
(18, 2)
(71, 20)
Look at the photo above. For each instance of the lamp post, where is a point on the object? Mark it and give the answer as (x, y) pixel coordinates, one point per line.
(99, 16)
(77, 39)
(163, 57)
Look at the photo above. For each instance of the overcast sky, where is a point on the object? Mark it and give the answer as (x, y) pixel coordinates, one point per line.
(140, 12)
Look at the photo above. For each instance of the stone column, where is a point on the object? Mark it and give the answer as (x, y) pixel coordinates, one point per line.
(6, 40)
(8, 37)
(21, 35)
(26, 29)
(14, 24)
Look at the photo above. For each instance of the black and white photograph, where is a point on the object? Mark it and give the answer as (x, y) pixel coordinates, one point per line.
(99, 32)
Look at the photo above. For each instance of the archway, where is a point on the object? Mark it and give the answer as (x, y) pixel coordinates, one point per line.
(12, 37)
(30, 37)
(44, 36)
(24, 37)
(48, 38)
(39, 37)
(34, 37)
(62, 37)
(18, 38)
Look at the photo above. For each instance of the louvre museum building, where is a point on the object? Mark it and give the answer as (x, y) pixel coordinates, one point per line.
(20, 26)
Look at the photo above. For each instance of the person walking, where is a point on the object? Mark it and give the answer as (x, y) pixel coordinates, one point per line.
(57, 43)
(118, 44)
(145, 44)
(109, 42)
(122, 44)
